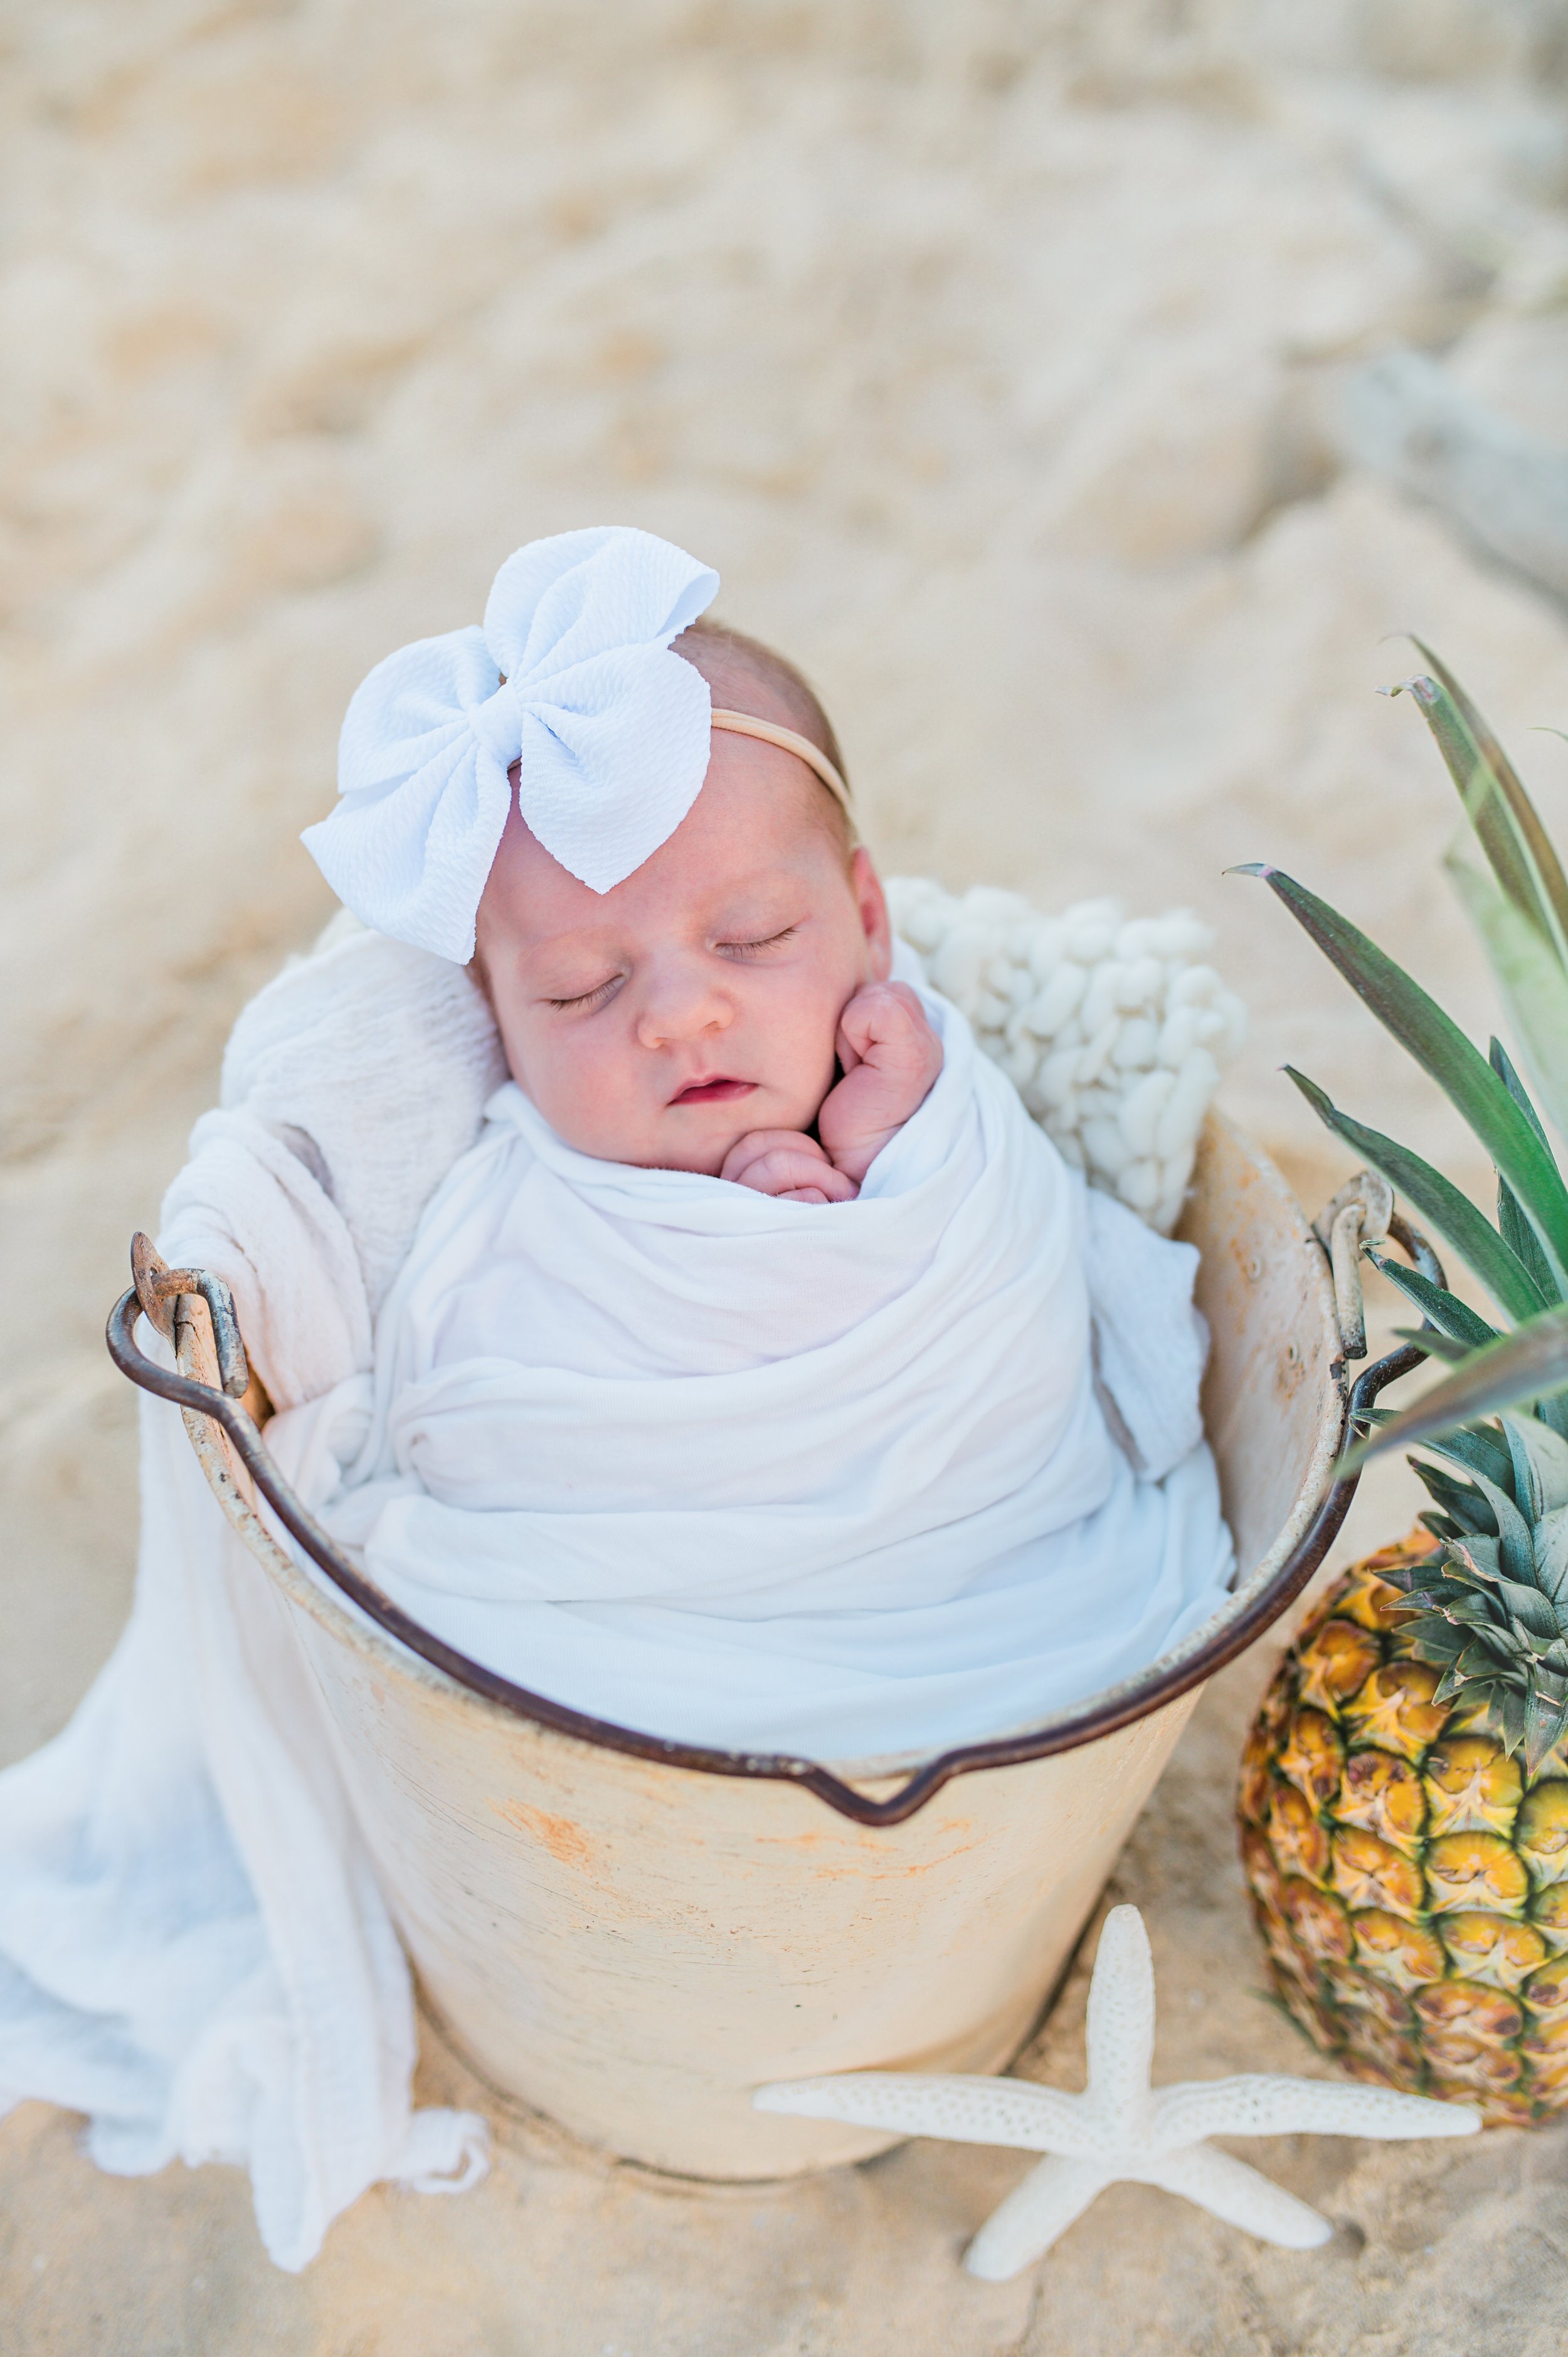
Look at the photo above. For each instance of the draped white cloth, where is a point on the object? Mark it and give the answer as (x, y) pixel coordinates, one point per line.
(831, 1478)
(194, 1950)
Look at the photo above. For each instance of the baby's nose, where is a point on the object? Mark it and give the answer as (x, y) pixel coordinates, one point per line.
(683, 1007)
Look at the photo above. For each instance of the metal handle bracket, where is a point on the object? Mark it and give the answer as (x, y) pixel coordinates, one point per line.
(159, 1290)
(1358, 1215)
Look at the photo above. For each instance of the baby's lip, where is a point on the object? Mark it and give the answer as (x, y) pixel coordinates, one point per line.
(717, 1091)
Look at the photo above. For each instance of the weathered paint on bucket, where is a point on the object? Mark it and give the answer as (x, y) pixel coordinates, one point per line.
(632, 1944)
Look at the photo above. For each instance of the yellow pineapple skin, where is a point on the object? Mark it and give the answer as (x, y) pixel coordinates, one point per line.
(1409, 1880)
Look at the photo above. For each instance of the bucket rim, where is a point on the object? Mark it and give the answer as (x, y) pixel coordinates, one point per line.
(158, 1291)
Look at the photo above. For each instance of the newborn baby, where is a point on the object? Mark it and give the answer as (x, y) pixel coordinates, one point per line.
(749, 1382)
(695, 1017)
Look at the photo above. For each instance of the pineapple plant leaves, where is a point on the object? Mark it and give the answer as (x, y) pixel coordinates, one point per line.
(1502, 1064)
(1508, 826)
(1441, 1308)
(1520, 908)
(1514, 1144)
(1506, 1276)
(1531, 975)
(1525, 1364)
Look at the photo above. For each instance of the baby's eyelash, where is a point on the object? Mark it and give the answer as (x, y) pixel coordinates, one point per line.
(747, 948)
(586, 998)
(735, 949)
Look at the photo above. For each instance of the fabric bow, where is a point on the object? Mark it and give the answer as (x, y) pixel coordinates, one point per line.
(571, 675)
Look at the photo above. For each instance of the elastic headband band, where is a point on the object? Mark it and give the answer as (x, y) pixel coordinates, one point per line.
(742, 723)
(746, 723)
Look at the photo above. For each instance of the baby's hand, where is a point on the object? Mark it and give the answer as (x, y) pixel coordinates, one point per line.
(891, 1056)
(787, 1163)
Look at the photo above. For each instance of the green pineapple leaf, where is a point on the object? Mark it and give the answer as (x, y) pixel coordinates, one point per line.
(1506, 822)
(1551, 1535)
(1526, 1483)
(1512, 1225)
(1520, 1366)
(1553, 1411)
(1476, 1449)
(1434, 1343)
(1531, 974)
(1461, 1506)
(1547, 1454)
(1516, 1556)
(1437, 1202)
(1519, 1237)
(1439, 1527)
(1502, 1064)
(1439, 1045)
(1496, 779)
(1478, 1564)
(1545, 1721)
(1440, 1308)
(1530, 1613)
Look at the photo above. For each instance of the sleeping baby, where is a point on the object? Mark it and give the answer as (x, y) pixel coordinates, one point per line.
(750, 1381)
(746, 1368)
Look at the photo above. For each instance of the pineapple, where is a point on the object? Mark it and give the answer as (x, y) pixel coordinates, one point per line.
(1405, 1836)
(1405, 1788)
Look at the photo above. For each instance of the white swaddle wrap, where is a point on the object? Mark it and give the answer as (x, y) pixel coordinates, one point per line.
(770, 1475)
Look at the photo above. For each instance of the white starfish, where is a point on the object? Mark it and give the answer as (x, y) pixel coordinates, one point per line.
(1120, 2128)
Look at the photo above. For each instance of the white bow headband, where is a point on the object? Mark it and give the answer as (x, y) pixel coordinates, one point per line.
(571, 676)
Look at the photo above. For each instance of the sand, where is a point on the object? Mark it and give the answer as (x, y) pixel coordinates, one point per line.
(993, 356)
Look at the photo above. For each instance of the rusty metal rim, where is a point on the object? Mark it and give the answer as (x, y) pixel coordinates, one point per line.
(1099, 1718)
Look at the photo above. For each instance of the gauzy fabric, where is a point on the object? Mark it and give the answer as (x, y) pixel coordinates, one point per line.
(194, 1949)
(570, 676)
(767, 1475)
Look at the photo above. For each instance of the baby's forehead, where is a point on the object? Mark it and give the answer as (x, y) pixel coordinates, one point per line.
(725, 880)
(718, 895)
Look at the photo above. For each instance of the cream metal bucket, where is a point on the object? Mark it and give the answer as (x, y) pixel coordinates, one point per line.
(631, 1935)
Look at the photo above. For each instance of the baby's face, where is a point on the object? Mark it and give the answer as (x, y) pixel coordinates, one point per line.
(661, 1022)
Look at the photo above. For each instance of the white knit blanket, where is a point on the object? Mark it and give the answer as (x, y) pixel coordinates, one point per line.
(193, 1949)
(1114, 1029)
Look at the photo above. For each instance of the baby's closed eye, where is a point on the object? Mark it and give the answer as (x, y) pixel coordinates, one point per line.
(595, 997)
(756, 948)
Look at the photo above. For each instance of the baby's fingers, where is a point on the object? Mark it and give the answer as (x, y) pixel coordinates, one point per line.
(802, 1171)
(883, 1024)
(758, 1143)
(785, 1173)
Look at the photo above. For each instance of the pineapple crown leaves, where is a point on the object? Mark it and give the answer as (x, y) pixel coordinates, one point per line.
(1489, 1609)
(1471, 1081)
(1519, 904)
(1443, 1311)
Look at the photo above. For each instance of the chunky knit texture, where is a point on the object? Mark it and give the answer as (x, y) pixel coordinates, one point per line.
(1112, 1030)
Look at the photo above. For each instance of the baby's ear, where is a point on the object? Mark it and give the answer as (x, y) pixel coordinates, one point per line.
(871, 903)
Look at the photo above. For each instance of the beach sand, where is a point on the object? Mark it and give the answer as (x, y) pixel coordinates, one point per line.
(992, 354)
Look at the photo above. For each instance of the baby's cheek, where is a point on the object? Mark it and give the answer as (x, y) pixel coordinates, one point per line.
(567, 1082)
(797, 1054)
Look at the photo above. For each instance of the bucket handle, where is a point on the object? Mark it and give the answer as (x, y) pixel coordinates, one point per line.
(1362, 1213)
(157, 1292)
